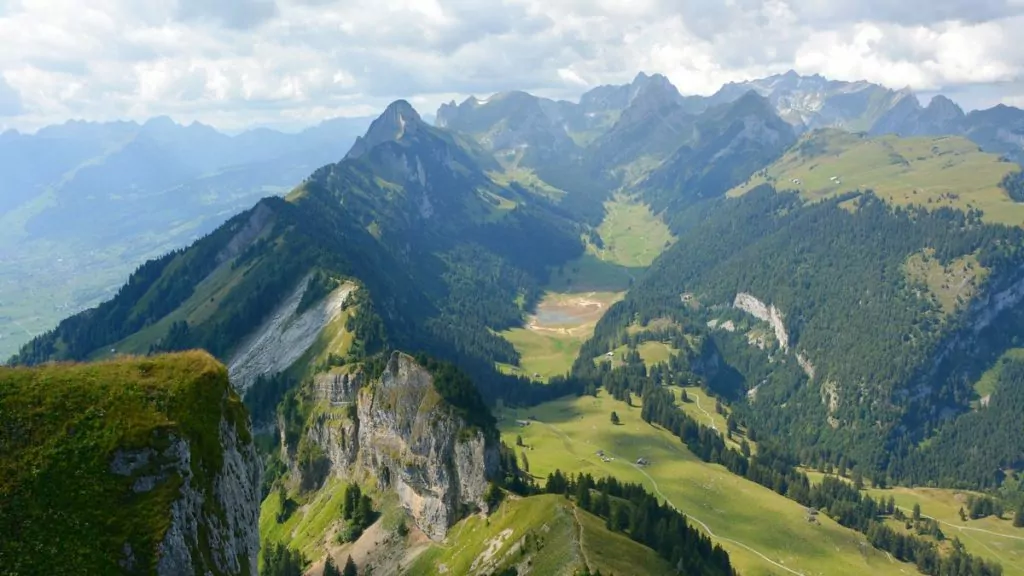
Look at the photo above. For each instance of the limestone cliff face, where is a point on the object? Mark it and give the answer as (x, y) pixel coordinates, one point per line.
(407, 436)
(225, 521)
(765, 313)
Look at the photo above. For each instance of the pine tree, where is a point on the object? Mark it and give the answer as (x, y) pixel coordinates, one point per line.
(963, 515)
(329, 568)
(519, 440)
(364, 512)
(526, 463)
(615, 418)
(493, 496)
(917, 512)
(1018, 518)
(350, 502)
(583, 495)
(350, 568)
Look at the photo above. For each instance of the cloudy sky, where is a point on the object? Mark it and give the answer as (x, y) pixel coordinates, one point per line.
(288, 63)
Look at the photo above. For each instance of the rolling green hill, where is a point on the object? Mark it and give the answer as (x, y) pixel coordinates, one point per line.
(568, 433)
(931, 172)
(546, 534)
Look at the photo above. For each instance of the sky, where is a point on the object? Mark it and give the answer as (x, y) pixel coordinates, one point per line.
(290, 63)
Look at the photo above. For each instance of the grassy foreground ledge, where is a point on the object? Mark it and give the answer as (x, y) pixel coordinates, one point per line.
(62, 509)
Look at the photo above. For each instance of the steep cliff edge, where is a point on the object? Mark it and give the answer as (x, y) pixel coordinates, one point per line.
(136, 466)
(422, 431)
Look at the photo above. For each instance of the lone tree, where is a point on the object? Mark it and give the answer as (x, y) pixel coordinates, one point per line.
(329, 568)
(350, 568)
(615, 418)
(526, 463)
(1018, 518)
(519, 440)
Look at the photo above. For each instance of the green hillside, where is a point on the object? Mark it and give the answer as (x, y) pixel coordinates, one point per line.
(864, 321)
(62, 427)
(567, 434)
(930, 172)
(546, 534)
(849, 287)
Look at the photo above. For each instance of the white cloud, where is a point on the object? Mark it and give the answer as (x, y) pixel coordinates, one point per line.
(233, 63)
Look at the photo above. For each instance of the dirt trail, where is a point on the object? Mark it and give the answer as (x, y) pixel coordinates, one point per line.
(583, 547)
(970, 528)
(706, 413)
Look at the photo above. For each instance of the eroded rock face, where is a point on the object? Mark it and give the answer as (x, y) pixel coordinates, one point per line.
(285, 336)
(218, 539)
(338, 387)
(230, 527)
(405, 435)
(765, 313)
(409, 438)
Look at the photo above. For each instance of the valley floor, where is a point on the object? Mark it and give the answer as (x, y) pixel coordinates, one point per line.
(581, 291)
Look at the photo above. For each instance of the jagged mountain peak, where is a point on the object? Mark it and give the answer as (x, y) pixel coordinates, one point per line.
(398, 121)
(653, 85)
(401, 108)
(942, 106)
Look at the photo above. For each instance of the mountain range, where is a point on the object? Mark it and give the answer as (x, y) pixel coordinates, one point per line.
(106, 196)
(844, 276)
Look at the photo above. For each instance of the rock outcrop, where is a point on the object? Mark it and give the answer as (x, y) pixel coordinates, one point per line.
(765, 313)
(408, 437)
(338, 386)
(228, 526)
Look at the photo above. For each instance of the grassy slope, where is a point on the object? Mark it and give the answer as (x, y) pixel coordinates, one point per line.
(632, 238)
(526, 178)
(990, 537)
(986, 385)
(209, 294)
(62, 426)
(557, 524)
(746, 518)
(952, 285)
(924, 171)
(650, 352)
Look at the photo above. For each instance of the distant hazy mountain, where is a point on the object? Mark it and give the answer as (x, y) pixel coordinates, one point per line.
(83, 203)
(512, 122)
(999, 129)
(729, 143)
(815, 102)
